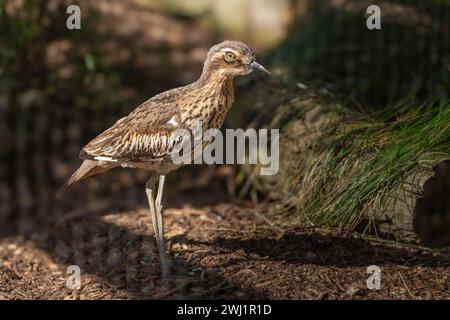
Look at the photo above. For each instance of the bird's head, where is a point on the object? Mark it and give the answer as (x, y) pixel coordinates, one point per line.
(232, 58)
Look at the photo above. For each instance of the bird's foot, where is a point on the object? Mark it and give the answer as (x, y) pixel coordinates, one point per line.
(166, 266)
(169, 276)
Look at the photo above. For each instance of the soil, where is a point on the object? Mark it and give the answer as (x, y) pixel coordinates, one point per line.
(221, 251)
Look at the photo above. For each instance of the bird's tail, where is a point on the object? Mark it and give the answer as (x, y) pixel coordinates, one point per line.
(87, 169)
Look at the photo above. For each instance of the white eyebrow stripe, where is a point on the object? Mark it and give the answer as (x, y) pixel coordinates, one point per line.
(230, 49)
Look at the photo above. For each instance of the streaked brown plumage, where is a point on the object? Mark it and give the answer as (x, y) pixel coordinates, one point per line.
(145, 138)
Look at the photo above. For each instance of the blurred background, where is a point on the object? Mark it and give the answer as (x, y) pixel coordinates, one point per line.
(59, 88)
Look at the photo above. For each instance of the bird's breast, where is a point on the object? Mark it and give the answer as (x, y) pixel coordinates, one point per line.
(208, 117)
(210, 110)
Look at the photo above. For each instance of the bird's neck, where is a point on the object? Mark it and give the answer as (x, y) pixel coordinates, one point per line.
(215, 78)
(218, 87)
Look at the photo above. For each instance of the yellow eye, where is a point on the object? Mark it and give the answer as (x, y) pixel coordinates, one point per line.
(230, 56)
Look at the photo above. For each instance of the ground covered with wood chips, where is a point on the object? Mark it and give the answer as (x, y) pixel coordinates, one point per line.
(219, 251)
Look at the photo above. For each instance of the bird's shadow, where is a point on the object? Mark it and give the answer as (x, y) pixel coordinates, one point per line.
(117, 250)
(126, 259)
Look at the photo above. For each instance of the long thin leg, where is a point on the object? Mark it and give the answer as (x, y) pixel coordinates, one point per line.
(158, 203)
(165, 262)
(156, 212)
(150, 190)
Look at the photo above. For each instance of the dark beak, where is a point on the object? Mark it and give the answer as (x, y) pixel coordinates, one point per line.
(256, 65)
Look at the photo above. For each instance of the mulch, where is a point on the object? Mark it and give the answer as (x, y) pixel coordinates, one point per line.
(219, 252)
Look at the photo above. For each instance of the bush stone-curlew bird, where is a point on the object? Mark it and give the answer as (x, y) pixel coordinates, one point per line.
(146, 137)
